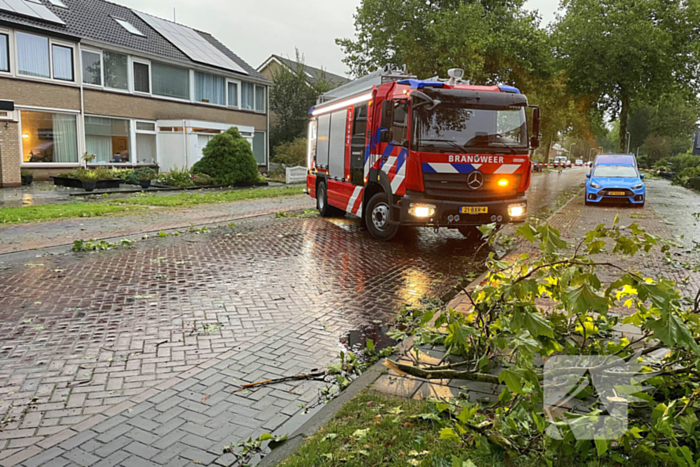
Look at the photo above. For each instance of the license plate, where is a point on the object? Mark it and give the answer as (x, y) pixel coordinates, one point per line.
(616, 193)
(475, 210)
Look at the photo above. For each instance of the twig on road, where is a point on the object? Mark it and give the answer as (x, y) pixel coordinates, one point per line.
(307, 376)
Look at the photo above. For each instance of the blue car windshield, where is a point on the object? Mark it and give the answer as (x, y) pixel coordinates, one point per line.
(615, 171)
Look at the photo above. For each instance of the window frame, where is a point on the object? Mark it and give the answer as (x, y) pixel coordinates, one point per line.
(238, 94)
(120, 21)
(10, 47)
(189, 99)
(135, 132)
(78, 129)
(131, 137)
(255, 98)
(102, 68)
(51, 42)
(132, 76)
(193, 88)
(129, 81)
(53, 63)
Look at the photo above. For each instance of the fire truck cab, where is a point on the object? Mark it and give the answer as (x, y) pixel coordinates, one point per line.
(398, 151)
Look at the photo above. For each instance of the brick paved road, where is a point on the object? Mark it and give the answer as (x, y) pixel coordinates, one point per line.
(132, 356)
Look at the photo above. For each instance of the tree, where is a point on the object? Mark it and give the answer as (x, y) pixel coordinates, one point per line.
(291, 97)
(625, 52)
(292, 153)
(495, 41)
(228, 159)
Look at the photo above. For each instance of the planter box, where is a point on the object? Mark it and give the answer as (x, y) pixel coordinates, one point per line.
(75, 183)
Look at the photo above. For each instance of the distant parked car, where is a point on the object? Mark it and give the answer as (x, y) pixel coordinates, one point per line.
(615, 182)
(579, 163)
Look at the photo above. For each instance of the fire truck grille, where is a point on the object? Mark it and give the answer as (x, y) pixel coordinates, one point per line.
(455, 187)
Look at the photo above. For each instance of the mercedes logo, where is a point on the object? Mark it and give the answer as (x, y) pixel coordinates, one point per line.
(475, 180)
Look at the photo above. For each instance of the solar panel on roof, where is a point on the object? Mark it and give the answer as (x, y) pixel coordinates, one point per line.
(191, 43)
(30, 9)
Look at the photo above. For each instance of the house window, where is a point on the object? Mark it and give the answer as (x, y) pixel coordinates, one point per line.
(232, 94)
(209, 88)
(146, 143)
(33, 55)
(62, 62)
(170, 81)
(92, 68)
(4, 52)
(142, 78)
(252, 97)
(107, 139)
(259, 147)
(115, 70)
(49, 137)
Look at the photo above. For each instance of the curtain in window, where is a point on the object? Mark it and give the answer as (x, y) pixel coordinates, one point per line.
(247, 96)
(170, 81)
(62, 63)
(92, 68)
(4, 55)
(146, 148)
(233, 94)
(116, 72)
(100, 146)
(32, 55)
(260, 98)
(209, 88)
(65, 138)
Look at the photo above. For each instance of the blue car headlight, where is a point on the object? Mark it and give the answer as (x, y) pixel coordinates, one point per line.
(596, 186)
(638, 187)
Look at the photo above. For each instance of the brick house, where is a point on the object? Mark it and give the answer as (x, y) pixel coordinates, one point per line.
(90, 76)
(271, 66)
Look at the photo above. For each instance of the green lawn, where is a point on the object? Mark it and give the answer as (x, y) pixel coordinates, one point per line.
(374, 430)
(136, 204)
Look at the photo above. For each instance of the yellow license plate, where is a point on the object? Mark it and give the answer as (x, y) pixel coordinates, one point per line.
(475, 210)
(616, 193)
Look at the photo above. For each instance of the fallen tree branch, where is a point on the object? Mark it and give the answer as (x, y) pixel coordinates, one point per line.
(441, 374)
(307, 376)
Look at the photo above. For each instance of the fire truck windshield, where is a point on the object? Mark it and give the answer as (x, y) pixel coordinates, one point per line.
(448, 128)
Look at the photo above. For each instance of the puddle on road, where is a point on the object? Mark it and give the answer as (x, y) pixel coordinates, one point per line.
(356, 341)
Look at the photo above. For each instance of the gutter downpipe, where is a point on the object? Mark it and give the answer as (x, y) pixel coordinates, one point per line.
(82, 141)
(184, 134)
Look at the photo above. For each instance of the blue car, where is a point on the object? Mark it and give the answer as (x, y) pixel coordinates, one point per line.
(615, 182)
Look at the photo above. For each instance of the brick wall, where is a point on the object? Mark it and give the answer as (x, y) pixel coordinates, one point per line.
(9, 155)
(37, 94)
(120, 105)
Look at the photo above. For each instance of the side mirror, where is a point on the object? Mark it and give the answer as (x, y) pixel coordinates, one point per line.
(588, 175)
(642, 175)
(387, 114)
(536, 117)
(385, 136)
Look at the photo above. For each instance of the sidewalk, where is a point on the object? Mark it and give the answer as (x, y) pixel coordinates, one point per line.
(23, 237)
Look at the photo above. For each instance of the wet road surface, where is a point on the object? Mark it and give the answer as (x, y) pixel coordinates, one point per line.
(158, 336)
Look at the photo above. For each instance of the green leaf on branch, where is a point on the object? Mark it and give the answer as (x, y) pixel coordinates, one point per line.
(672, 331)
(513, 379)
(601, 446)
(584, 299)
(534, 323)
(449, 433)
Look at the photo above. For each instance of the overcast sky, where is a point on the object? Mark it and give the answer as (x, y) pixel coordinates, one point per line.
(255, 29)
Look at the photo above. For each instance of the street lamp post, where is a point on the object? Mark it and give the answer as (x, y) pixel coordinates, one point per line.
(590, 154)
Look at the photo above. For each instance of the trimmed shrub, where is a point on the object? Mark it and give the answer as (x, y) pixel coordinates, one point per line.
(292, 154)
(180, 178)
(228, 159)
(203, 180)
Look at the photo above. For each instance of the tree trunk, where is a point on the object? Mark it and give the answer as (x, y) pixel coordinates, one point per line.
(546, 154)
(624, 116)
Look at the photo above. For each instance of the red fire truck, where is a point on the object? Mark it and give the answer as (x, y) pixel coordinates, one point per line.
(398, 151)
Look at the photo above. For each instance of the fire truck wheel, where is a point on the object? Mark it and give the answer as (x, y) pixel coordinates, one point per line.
(470, 232)
(378, 218)
(325, 209)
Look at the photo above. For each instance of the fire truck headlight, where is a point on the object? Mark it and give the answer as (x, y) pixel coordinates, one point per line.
(422, 211)
(517, 210)
(504, 182)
